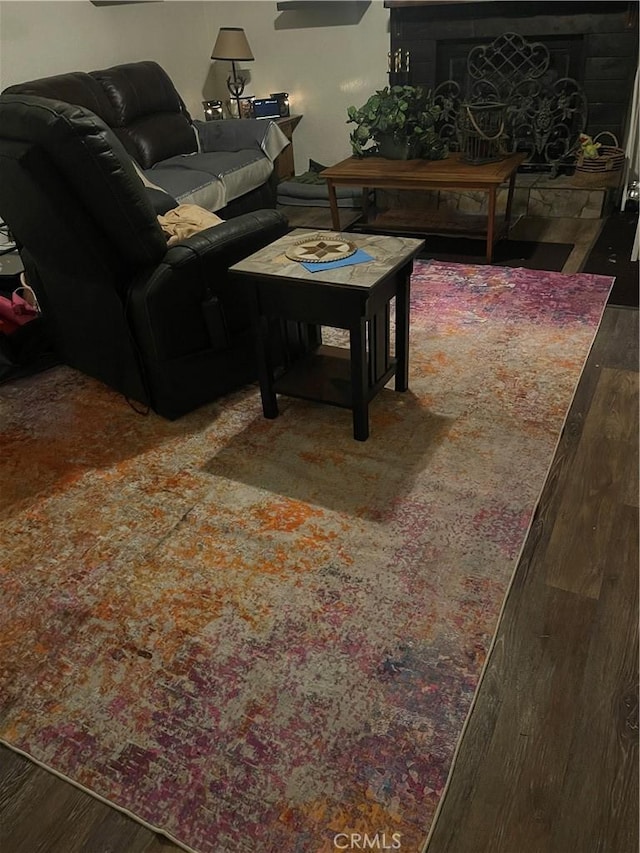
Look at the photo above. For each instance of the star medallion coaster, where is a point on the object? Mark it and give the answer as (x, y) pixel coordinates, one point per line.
(320, 249)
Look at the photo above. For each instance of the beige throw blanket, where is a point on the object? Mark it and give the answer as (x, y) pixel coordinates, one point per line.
(185, 220)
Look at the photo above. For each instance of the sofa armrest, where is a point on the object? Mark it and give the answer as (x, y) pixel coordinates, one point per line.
(168, 309)
(240, 134)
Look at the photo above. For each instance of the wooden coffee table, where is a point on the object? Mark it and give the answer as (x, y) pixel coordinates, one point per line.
(449, 174)
(355, 297)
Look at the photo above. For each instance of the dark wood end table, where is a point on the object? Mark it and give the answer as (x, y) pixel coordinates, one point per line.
(356, 298)
(284, 164)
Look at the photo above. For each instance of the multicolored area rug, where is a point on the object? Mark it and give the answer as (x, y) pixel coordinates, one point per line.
(263, 635)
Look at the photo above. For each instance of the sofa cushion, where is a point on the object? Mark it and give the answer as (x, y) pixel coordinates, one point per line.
(239, 171)
(211, 180)
(160, 200)
(155, 138)
(188, 186)
(149, 116)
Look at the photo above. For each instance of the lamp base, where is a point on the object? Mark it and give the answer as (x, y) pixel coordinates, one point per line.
(241, 108)
(235, 85)
(232, 108)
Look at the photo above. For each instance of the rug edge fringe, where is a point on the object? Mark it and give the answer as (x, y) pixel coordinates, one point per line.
(97, 796)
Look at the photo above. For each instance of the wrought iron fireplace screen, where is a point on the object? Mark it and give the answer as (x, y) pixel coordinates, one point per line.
(543, 114)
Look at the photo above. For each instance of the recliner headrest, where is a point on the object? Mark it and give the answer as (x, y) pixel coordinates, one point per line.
(94, 165)
(77, 87)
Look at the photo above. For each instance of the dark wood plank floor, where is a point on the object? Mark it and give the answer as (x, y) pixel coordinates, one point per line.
(549, 760)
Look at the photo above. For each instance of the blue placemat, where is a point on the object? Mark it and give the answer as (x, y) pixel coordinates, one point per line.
(359, 257)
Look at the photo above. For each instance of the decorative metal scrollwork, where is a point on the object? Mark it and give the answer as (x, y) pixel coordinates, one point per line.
(447, 97)
(544, 114)
(507, 60)
(547, 122)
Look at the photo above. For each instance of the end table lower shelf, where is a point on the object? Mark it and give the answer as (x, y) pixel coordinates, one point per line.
(324, 376)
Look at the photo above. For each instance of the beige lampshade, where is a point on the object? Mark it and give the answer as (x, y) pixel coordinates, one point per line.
(231, 44)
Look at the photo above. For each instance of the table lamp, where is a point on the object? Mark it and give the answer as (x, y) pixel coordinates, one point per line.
(233, 46)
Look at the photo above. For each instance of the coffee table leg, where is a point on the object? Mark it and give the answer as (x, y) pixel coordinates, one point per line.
(402, 328)
(507, 213)
(359, 396)
(333, 204)
(365, 204)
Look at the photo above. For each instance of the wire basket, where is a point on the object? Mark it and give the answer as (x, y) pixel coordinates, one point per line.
(610, 157)
(481, 132)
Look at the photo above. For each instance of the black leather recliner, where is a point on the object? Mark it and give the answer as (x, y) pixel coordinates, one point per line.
(162, 326)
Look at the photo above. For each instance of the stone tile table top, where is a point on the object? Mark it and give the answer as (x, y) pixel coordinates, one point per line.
(388, 253)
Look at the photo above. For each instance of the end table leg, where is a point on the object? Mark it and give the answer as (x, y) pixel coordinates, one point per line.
(359, 384)
(265, 368)
(333, 204)
(402, 328)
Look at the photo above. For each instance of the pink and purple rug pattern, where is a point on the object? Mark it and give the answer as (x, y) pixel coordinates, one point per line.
(257, 635)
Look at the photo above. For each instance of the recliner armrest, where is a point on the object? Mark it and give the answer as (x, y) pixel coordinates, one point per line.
(235, 237)
(167, 307)
(240, 134)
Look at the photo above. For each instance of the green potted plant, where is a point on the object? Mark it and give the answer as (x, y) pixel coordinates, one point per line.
(400, 121)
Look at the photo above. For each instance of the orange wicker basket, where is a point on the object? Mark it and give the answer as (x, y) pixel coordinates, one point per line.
(610, 157)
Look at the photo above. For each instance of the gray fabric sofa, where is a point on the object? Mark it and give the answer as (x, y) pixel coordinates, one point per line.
(223, 166)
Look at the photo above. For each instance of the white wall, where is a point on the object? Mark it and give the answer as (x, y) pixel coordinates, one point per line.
(325, 66)
(324, 63)
(38, 39)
